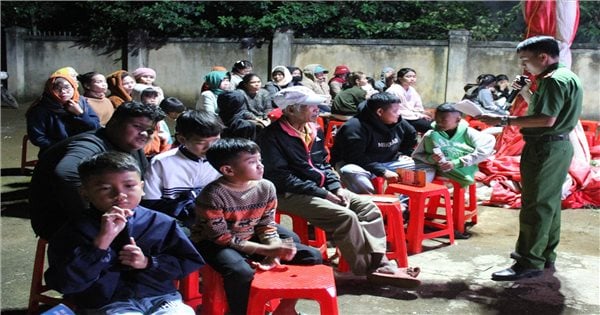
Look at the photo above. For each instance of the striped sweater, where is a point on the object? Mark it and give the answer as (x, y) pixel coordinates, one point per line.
(230, 218)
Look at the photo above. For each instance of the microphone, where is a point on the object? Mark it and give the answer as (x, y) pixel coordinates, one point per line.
(515, 92)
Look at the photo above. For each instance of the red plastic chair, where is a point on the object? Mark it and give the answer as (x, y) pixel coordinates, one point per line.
(189, 287)
(423, 204)
(297, 282)
(300, 227)
(379, 184)
(38, 293)
(590, 128)
(25, 163)
(394, 231)
(332, 128)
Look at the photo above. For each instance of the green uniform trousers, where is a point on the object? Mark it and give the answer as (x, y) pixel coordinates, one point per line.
(544, 166)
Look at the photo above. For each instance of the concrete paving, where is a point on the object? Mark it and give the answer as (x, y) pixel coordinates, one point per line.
(456, 279)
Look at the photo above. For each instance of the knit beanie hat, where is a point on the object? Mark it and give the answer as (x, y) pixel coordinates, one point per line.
(139, 72)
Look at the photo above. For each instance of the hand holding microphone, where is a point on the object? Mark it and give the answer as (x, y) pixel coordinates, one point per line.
(518, 84)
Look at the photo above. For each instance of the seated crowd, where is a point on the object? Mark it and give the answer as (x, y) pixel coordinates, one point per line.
(127, 207)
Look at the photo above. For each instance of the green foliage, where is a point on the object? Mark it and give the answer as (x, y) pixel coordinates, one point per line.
(108, 25)
(589, 22)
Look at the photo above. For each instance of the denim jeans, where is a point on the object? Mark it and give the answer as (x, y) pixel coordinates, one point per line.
(156, 305)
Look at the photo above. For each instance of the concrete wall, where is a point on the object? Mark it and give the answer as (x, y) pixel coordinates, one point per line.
(181, 65)
(443, 67)
(428, 58)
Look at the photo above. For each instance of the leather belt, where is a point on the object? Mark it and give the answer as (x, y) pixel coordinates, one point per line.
(547, 138)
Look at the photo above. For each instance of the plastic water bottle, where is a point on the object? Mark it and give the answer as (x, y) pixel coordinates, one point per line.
(438, 150)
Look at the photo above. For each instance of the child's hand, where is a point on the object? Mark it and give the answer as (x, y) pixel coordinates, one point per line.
(391, 177)
(269, 263)
(131, 255)
(111, 224)
(446, 166)
(72, 107)
(437, 157)
(284, 251)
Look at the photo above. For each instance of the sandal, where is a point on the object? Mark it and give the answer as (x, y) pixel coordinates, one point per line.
(403, 278)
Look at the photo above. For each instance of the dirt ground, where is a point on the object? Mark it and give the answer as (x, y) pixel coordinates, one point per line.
(456, 279)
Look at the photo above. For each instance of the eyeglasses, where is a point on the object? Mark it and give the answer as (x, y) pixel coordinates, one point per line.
(60, 88)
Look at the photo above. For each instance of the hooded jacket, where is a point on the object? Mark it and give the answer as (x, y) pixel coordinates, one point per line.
(366, 141)
(118, 95)
(233, 113)
(310, 81)
(48, 122)
(293, 166)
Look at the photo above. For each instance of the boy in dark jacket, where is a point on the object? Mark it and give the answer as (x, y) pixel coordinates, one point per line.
(375, 142)
(119, 257)
(54, 196)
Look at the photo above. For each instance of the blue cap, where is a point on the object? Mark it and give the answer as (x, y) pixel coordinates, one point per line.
(319, 69)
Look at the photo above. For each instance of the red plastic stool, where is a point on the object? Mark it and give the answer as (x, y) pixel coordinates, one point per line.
(297, 282)
(38, 291)
(424, 203)
(300, 227)
(461, 211)
(189, 287)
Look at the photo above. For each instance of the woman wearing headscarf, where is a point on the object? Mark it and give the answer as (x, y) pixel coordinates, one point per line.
(217, 82)
(281, 79)
(60, 113)
(120, 83)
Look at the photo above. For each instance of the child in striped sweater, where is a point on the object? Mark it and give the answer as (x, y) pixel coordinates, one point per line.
(235, 222)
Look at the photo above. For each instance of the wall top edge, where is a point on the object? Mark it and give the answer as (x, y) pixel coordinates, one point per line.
(327, 41)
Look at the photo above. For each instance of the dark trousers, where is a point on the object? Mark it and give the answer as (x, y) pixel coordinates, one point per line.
(421, 124)
(238, 274)
(544, 167)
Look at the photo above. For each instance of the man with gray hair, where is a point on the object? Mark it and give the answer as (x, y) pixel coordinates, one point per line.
(295, 161)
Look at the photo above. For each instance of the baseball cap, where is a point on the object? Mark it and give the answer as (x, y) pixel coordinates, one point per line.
(319, 69)
(298, 95)
(341, 69)
(149, 91)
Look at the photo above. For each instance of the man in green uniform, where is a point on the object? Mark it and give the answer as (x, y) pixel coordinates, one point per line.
(553, 111)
